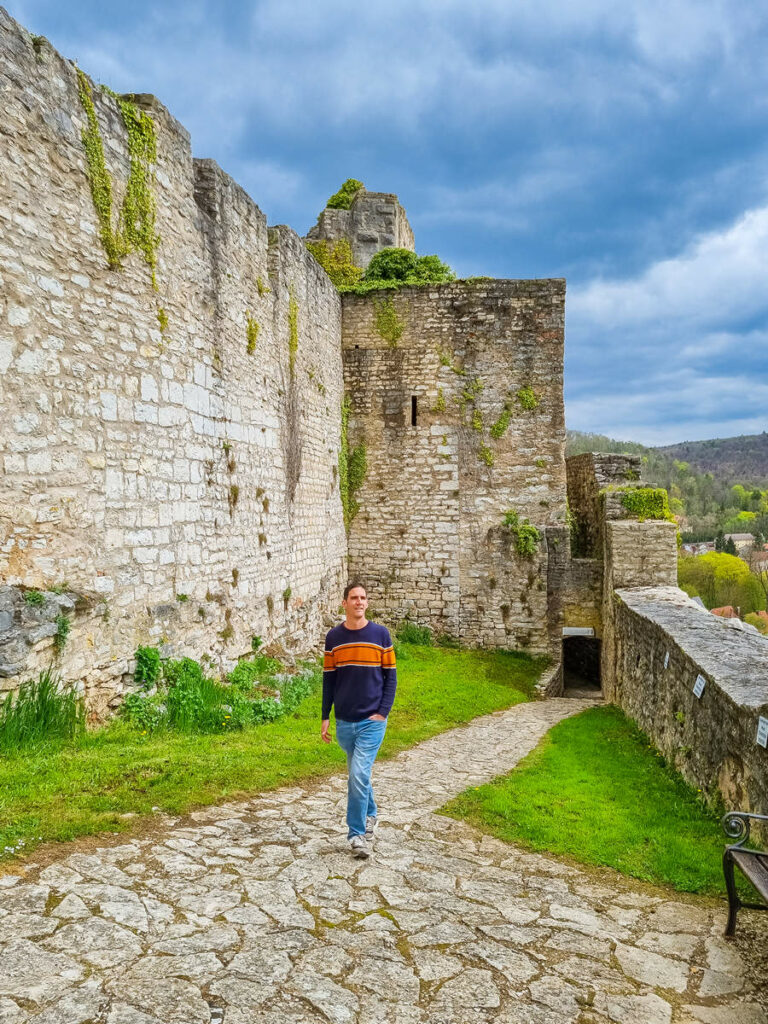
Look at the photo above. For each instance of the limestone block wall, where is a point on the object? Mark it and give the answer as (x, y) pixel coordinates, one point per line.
(374, 221)
(429, 538)
(662, 642)
(170, 468)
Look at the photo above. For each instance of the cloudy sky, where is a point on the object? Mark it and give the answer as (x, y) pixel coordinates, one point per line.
(620, 145)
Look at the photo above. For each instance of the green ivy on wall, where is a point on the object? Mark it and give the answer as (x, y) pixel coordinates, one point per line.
(389, 325)
(336, 260)
(251, 333)
(136, 225)
(526, 537)
(293, 332)
(500, 427)
(353, 466)
(527, 398)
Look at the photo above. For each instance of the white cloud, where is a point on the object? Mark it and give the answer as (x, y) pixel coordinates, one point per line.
(719, 276)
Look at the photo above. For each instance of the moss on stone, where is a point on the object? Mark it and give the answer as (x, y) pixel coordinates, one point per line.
(293, 332)
(251, 333)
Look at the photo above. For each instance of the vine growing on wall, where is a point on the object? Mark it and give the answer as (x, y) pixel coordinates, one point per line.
(136, 223)
(500, 427)
(389, 325)
(251, 333)
(336, 260)
(353, 465)
(293, 332)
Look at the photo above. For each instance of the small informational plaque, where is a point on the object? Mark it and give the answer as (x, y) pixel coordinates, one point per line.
(666, 660)
(762, 731)
(698, 686)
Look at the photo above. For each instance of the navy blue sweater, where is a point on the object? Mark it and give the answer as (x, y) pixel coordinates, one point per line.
(359, 675)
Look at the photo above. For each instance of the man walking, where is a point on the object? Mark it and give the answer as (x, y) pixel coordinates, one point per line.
(359, 681)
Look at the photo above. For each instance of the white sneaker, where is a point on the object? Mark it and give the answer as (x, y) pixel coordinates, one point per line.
(359, 847)
(371, 824)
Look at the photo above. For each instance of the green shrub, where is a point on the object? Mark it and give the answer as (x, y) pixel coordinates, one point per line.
(760, 624)
(647, 503)
(144, 712)
(34, 598)
(448, 640)
(147, 671)
(411, 633)
(404, 267)
(342, 200)
(40, 711)
(260, 670)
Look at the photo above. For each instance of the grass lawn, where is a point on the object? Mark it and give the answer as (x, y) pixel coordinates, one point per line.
(595, 790)
(60, 790)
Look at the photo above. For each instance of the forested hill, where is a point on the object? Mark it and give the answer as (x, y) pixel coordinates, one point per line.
(730, 459)
(714, 486)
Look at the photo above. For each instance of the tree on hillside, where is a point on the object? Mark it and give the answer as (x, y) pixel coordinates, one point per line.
(721, 579)
(730, 547)
(757, 568)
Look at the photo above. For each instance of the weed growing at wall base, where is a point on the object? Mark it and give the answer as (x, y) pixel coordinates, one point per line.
(40, 711)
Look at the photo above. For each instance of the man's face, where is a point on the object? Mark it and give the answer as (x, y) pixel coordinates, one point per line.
(356, 602)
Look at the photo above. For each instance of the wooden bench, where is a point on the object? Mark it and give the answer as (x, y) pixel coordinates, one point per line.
(753, 864)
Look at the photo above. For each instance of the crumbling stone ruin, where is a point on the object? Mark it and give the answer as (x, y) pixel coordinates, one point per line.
(202, 438)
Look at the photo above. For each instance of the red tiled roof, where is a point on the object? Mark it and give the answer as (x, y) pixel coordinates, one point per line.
(726, 612)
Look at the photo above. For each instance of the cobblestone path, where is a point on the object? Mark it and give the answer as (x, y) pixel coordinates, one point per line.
(255, 913)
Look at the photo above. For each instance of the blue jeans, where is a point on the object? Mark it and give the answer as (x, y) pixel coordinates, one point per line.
(360, 741)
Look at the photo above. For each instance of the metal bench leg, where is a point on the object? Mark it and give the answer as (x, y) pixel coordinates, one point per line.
(733, 900)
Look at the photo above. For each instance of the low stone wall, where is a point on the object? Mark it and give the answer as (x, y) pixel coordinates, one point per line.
(662, 641)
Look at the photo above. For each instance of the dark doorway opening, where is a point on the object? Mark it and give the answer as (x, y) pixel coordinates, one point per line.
(581, 663)
(414, 410)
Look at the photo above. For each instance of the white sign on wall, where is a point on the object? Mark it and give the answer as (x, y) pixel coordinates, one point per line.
(666, 660)
(762, 731)
(698, 686)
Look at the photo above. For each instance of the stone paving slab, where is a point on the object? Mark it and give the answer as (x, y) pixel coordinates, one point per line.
(256, 911)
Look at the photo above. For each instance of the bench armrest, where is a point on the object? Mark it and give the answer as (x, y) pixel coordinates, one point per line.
(736, 825)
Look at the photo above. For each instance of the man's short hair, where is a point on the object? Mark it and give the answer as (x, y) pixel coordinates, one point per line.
(353, 585)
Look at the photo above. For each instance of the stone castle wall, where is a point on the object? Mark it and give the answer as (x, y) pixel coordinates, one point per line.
(183, 488)
(429, 537)
(374, 221)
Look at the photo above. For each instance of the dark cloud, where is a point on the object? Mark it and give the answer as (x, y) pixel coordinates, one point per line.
(622, 146)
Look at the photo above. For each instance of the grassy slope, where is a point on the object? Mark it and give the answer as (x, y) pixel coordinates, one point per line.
(59, 791)
(595, 790)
